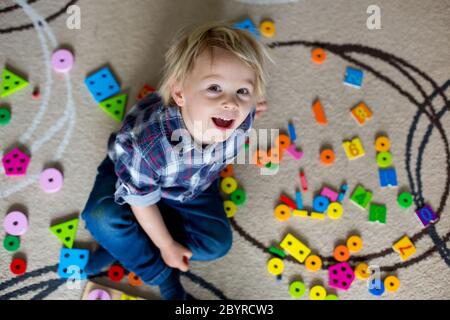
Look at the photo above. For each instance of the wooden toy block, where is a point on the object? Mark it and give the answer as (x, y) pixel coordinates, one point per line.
(340, 276)
(318, 55)
(230, 208)
(391, 284)
(145, 90)
(294, 153)
(102, 84)
(317, 215)
(134, 280)
(297, 289)
(288, 202)
(62, 60)
(94, 291)
(387, 177)
(377, 213)
(319, 113)
(335, 210)
(11, 243)
(303, 181)
(353, 77)
(384, 159)
(361, 113)
(275, 266)
(354, 244)
(238, 197)
(331, 297)
(330, 194)
(301, 213)
(228, 185)
(5, 116)
(405, 248)
(73, 261)
(15, 223)
(277, 252)
(292, 133)
(267, 28)
(11, 83)
(282, 142)
(341, 253)
(228, 171)
(15, 163)
(282, 212)
(295, 248)
(299, 200)
(362, 271)
(249, 26)
(405, 200)
(376, 287)
(18, 266)
(116, 273)
(115, 107)
(317, 293)
(51, 180)
(382, 144)
(313, 263)
(327, 157)
(342, 192)
(353, 149)
(361, 197)
(66, 232)
(320, 204)
(426, 215)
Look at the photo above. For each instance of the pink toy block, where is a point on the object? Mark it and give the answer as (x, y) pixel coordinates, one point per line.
(297, 155)
(16, 163)
(330, 194)
(340, 276)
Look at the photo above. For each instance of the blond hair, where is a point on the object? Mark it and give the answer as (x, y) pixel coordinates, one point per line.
(180, 58)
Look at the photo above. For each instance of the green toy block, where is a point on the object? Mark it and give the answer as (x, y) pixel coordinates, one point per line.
(277, 252)
(361, 197)
(11, 83)
(377, 212)
(66, 232)
(238, 197)
(115, 106)
(272, 166)
(11, 243)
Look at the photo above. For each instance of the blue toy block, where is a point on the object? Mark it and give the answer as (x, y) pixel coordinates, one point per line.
(248, 25)
(102, 84)
(353, 77)
(292, 134)
(376, 287)
(70, 258)
(388, 177)
(298, 200)
(342, 192)
(320, 204)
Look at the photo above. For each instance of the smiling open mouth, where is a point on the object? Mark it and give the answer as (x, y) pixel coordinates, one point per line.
(222, 123)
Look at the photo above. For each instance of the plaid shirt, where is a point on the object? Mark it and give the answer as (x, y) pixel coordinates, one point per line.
(150, 165)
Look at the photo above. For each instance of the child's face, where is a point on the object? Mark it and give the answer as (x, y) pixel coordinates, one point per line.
(216, 96)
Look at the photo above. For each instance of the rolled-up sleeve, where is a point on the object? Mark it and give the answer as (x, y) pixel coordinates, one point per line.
(138, 181)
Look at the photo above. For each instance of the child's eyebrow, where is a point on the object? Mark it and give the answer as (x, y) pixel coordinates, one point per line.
(216, 76)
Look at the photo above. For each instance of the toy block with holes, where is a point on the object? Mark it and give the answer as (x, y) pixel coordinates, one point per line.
(353, 149)
(361, 113)
(72, 263)
(229, 187)
(115, 106)
(405, 248)
(295, 248)
(102, 84)
(15, 163)
(95, 291)
(11, 83)
(340, 276)
(353, 77)
(249, 26)
(66, 232)
(387, 174)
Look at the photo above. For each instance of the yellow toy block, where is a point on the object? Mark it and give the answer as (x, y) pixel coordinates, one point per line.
(300, 213)
(317, 215)
(405, 248)
(295, 248)
(354, 148)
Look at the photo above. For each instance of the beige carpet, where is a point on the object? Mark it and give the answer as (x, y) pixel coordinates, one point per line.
(132, 36)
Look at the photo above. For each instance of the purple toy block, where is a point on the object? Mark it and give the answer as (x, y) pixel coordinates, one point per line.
(292, 151)
(16, 163)
(330, 194)
(426, 215)
(340, 276)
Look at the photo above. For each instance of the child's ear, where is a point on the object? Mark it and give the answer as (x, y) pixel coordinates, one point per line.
(176, 91)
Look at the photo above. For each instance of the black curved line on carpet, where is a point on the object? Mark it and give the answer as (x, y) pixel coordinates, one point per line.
(51, 286)
(48, 19)
(31, 274)
(15, 6)
(365, 50)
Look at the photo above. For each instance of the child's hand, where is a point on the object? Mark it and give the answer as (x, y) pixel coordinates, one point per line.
(261, 107)
(176, 256)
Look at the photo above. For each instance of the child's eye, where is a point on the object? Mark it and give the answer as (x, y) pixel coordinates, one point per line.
(243, 91)
(214, 88)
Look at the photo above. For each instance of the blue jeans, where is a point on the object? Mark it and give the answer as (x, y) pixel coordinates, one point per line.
(199, 224)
